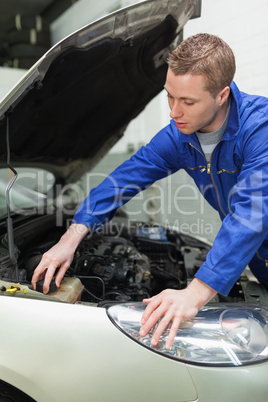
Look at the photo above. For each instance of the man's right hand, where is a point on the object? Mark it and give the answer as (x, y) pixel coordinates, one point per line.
(59, 256)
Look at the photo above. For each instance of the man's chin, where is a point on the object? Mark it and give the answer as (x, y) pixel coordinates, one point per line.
(186, 131)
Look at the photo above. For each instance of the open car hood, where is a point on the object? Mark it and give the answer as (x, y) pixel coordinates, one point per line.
(75, 103)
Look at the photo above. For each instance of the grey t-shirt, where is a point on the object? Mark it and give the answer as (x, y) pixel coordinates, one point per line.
(208, 141)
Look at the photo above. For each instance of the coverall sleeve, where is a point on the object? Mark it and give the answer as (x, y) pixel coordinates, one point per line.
(245, 228)
(152, 162)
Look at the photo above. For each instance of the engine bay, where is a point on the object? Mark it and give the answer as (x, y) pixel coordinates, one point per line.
(118, 263)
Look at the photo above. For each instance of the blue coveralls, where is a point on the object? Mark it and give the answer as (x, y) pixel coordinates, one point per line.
(234, 182)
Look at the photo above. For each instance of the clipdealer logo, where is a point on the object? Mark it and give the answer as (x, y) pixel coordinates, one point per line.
(246, 202)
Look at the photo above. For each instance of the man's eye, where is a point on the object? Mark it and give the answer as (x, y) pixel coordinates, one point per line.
(189, 103)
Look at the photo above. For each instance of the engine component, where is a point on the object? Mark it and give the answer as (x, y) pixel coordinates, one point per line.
(111, 268)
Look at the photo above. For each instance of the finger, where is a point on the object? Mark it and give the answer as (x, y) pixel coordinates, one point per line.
(155, 301)
(49, 275)
(148, 300)
(60, 274)
(161, 327)
(150, 317)
(37, 277)
(173, 332)
(39, 272)
(152, 320)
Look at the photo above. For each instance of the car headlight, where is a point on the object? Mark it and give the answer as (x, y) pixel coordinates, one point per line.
(220, 335)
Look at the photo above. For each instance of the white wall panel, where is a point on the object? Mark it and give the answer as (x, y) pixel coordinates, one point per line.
(80, 14)
(8, 78)
(243, 25)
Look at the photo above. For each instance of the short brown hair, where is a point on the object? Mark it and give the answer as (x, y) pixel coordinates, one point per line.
(207, 55)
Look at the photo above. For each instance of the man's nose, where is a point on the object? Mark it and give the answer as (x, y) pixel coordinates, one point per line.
(176, 110)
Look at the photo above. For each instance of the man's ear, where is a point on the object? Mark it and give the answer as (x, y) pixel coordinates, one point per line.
(224, 95)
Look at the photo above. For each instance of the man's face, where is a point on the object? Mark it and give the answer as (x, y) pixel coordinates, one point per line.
(191, 106)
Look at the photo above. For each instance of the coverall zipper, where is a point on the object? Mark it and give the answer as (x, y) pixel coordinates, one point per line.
(210, 173)
(229, 171)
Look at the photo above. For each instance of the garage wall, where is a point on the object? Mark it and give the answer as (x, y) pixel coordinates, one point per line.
(243, 25)
(80, 14)
(8, 78)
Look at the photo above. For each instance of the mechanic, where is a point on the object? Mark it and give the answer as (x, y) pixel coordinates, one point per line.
(219, 135)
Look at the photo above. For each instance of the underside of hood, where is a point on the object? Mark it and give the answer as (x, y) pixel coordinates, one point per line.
(76, 102)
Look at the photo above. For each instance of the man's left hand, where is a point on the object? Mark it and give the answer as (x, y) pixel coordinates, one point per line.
(174, 306)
